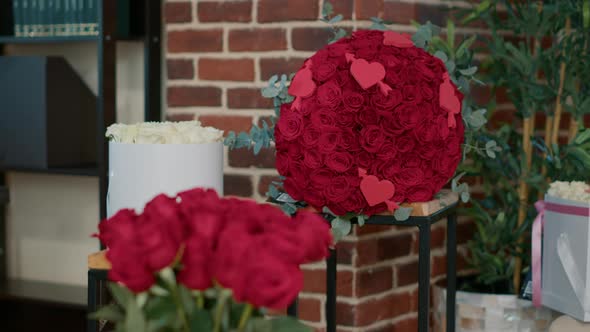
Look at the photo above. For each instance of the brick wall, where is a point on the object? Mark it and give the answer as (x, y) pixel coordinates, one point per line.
(218, 56)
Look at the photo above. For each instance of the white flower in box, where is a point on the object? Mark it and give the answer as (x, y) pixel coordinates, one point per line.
(147, 159)
(565, 277)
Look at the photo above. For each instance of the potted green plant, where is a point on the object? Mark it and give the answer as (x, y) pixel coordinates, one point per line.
(541, 67)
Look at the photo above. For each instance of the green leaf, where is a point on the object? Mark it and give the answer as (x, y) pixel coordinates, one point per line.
(340, 228)
(441, 55)
(259, 325)
(402, 213)
(186, 298)
(121, 294)
(200, 320)
(161, 309)
(476, 119)
(464, 46)
(327, 9)
(360, 220)
(451, 34)
(112, 313)
(269, 92)
(469, 71)
(141, 299)
(134, 319)
(582, 137)
(465, 196)
(335, 19)
(288, 324)
(167, 275)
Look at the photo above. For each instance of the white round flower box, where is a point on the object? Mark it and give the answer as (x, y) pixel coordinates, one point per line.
(139, 172)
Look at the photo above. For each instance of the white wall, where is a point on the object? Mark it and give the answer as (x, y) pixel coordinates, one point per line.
(50, 217)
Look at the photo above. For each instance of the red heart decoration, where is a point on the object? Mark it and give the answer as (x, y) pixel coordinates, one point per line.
(302, 84)
(367, 74)
(397, 39)
(449, 101)
(376, 191)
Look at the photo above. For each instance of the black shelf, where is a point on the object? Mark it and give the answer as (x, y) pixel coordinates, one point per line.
(38, 291)
(47, 39)
(81, 170)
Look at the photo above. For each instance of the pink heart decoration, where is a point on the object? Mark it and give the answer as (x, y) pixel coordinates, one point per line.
(367, 74)
(302, 84)
(393, 38)
(449, 101)
(376, 191)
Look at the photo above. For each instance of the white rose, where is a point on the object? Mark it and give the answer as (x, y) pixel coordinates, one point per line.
(164, 133)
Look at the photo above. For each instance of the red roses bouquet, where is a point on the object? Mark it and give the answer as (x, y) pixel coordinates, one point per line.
(197, 262)
(375, 122)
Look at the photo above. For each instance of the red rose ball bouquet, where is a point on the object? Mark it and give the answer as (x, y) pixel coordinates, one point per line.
(189, 262)
(375, 122)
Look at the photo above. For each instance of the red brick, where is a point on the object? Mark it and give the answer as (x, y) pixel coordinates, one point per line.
(399, 12)
(345, 250)
(179, 96)
(264, 182)
(237, 185)
(465, 232)
(180, 117)
(248, 40)
(314, 281)
(180, 69)
(277, 66)
(225, 11)
(287, 10)
(437, 14)
(227, 123)
(226, 69)
(365, 9)
(406, 273)
(439, 266)
(408, 324)
(246, 158)
(367, 251)
(564, 123)
(373, 281)
(343, 7)
(345, 314)
(310, 309)
(383, 308)
(247, 98)
(177, 12)
(310, 39)
(372, 229)
(195, 41)
(394, 246)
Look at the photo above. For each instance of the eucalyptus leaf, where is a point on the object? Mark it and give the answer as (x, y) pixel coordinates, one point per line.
(441, 55)
(121, 294)
(402, 213)
(469, 71)
(361, 220)
(112, 313)
(340, 228)
(335, 19)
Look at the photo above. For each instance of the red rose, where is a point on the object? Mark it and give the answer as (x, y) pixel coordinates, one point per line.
(412, 94)
(404, 144)
(321, 177)
(350, 141)
(420, 193)
(120, 228)
(386, 103)
(315, 197)
(196, 272)
(290, 125)
(128, 266)
(412, 160)
(387, 152)
(267, 281)
(339, 161)
(323, 118)
(372, 138)
(329, 140)
(159, 231)
(338, 189)
(392, 168)
(282, 163)
(365, 159)
(389, 60)
(409, 177)
(353, 101)
(367, 116)
(338, 49)
(228, 267)
(329, 95)
(293, 189)
(344, 79)
(426, 91)
(346, 119)
(312, 158)
(324, 71)
(314, 236)
(299, 173)
(355, 202)
(311, 136)
(406, 116)
(424, 133)
(427, 151)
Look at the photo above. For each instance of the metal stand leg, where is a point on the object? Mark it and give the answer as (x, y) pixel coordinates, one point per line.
(292, 309)
(92, 324)
(424, 277)
(331, 292)
(451, 270)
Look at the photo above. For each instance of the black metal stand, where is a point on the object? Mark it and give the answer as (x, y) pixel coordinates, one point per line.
(423, 224)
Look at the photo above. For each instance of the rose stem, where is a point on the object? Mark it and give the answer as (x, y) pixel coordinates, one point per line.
(246, 313)
(221, 299)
